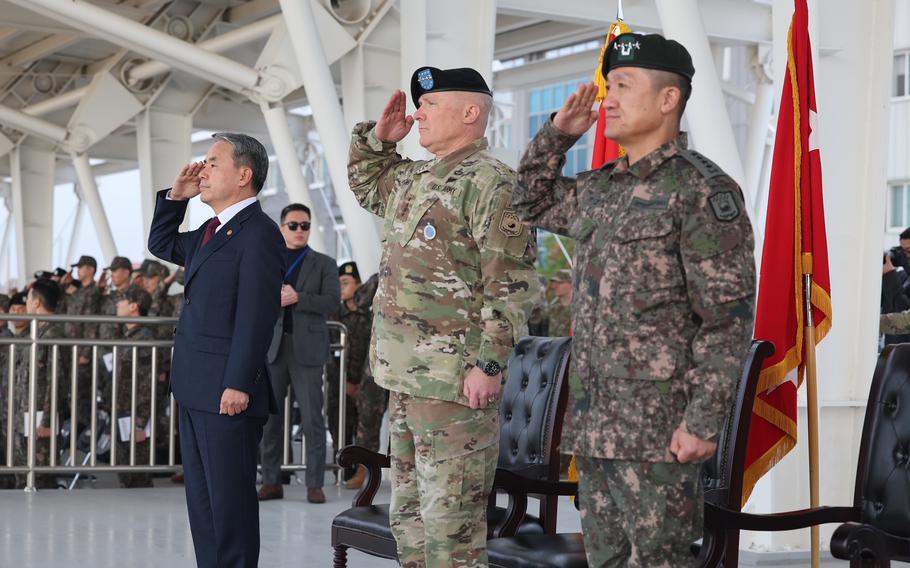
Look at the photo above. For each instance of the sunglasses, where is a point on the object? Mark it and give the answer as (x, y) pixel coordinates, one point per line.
(294, 225)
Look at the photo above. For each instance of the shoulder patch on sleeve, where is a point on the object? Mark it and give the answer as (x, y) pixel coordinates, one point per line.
(705, 167)
(724, 206)
(510, 224)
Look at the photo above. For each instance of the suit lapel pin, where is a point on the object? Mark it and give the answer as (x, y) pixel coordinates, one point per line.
(230, 232)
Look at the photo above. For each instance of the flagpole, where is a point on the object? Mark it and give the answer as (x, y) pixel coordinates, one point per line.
(811, 402)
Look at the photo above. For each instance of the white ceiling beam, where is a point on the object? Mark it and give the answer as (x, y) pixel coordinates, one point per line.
(147, 41)
(725, 21)
(31, 125)
(37, 50)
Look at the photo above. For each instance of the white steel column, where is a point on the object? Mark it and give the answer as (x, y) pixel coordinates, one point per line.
(706, 111)
(451, 34)
(759, 121)
(320, 90)
(33, 205)
(92, 200)
(164, 145)
(291, 170)
(4, 250)
(353, 87)
(850, 132)
(71, 254)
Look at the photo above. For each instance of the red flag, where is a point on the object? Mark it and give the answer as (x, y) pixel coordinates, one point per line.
(795, 245)
(605, 150)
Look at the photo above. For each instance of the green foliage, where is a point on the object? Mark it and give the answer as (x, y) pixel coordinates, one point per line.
(550, 258)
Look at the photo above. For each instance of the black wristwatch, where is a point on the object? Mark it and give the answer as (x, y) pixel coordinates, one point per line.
(490, 368)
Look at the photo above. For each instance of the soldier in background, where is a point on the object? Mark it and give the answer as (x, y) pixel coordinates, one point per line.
(663, 307)
(85, 301)
(456, 285)
(119, 271)
(134, 302)
(367, 401)
(41, 300)
(20, 329)
(559, 311)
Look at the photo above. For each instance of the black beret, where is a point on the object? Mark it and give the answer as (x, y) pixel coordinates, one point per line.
(18, 299)
(39, 274)
(433, 80)
(60, 272)
(349, 269)
(650, 51)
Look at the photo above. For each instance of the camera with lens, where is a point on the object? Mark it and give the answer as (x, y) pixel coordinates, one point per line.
(898, 257)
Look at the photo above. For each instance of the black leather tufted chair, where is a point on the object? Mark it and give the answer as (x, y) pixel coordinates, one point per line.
(568, 551)
(876, 528)
(533, 404)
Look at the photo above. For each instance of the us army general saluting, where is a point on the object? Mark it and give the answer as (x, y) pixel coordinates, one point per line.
(662, 311)
(456, 283)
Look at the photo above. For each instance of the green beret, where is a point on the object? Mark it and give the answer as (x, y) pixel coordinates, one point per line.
(433, 80)
(651, 51)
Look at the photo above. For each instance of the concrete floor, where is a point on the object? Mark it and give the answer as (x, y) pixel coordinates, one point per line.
(106, 527)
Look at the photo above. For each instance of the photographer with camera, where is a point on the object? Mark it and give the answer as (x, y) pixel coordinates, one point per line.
(896, 284)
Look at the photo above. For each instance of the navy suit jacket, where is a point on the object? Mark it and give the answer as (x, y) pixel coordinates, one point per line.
(232, 297)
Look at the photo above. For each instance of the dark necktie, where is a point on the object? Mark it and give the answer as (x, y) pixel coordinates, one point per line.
(210, 231)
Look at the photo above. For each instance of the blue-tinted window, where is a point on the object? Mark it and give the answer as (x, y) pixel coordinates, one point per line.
(548, 99)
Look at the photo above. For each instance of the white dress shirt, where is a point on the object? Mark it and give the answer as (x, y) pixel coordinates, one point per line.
(229, 212)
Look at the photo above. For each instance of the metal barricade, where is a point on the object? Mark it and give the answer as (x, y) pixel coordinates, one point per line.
(90, 463)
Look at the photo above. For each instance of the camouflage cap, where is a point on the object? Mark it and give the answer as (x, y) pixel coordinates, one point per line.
(120, 262)
(649, 51)
(564, 275)
(60, 272)
(18, 299)
(149, 268)
(85, 260)
(39, 274)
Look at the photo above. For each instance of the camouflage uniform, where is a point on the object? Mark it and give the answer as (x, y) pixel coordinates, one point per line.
(6, 481)
(662, 314)
(143, 401)
(560, 318)
(894, 323)
(43, 383)
(85, 302)
(364, 422)
(456, 283)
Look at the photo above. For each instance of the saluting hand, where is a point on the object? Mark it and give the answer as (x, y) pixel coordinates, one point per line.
(688, 448)
(393, 124)
(186, 186)
(576, 117)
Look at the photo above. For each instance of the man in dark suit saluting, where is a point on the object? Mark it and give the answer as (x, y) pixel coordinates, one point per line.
(298, 352)
(219, 377)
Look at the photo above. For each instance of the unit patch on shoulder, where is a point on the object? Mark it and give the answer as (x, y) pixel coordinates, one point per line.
(510, 225)
(724, 206)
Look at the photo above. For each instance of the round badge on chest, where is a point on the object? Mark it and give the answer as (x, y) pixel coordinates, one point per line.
(429, 232)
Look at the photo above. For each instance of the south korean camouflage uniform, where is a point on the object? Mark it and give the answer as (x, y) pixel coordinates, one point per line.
(43, 399)
(662, 317)
(456, 285)
(123, 408)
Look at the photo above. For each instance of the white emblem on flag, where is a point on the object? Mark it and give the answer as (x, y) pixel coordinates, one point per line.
(813, 130)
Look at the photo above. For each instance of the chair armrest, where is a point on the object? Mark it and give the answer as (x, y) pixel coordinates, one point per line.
(856, 540)
(374, 462)
(717, 517)
(512, 483)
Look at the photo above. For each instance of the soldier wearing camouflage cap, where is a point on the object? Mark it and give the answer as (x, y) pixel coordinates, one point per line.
(456, 284)
(663, 306)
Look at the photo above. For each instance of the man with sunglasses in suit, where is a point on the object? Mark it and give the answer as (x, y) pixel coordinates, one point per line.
(299, 350)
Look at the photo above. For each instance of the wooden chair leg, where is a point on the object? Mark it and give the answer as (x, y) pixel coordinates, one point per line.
(340, 557)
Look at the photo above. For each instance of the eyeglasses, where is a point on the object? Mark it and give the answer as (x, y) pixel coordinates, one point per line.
(294, 225)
